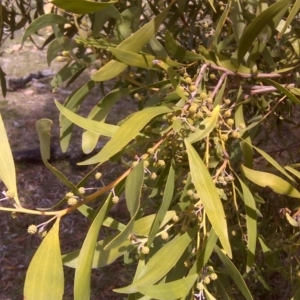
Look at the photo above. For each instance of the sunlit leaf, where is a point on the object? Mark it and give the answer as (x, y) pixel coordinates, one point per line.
(169, 291)
(85, 259)
(127, 131)
(234, 274)
(277, 184)
(7, 165)
(209, 196)
(82, 6)
(45, 277)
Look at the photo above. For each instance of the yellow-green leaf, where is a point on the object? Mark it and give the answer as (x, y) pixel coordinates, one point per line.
(206, 126)
(169, 291)
(209, 196)
(45, 277)
(7, 165)
(82, 6)
(127, 131)
(277, 184)
(234, 274)
(85, 259)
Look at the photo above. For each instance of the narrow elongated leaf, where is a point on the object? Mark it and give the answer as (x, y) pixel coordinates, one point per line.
(43, 128)
(45, 277)
(3, 82)
(293, 171)
(41, 22)
(134, 43)
(91, 125)
(273, 162)
(277, 184)
(297, 293)
(133, 189)
(209, 196)
(151, 273)
(99, 113)
(234, 274)
(251, 219)
(169, 291)
(283, 90)
(257, 25)
(82, 6)
(127, 131)
(206, 126)
(72, 103)
(85, 259)
(167, 198)
(7, 165)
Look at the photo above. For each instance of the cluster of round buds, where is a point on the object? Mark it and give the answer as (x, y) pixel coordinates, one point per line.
(32, 229)
(115, 199)
(98, 175)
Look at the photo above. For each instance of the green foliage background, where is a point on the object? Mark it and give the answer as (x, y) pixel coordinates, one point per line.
(206, 220)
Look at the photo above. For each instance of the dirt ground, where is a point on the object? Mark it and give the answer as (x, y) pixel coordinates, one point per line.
(37, 186)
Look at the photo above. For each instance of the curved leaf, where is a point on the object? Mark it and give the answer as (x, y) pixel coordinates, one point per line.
(169, 291)
(82, 6)
(7, 165)
(41, 22)
(127, 131)
(209, 196)
(45, 277)
(257, 25)
(277, 184)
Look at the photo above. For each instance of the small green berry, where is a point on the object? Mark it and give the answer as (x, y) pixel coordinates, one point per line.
(69, 195)
(98, 175)
(209, 100)
(206, 280)
(153, 176)
(72, 201)
(164, 235)
(150, 151)
(224, 137)
(188, 80)
(236, 135)
(230, 122)
(227, 113)
(203, 96)
(115, 199)
(145, 250)
(227, 101)
(81, 190)
(212, 76)
(193, 108)
(192, 88)
(32, 229)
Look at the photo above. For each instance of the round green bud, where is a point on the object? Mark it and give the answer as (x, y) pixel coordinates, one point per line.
(212, 76)
(32, 229)
(193, 108)
(192, 88)
(203, 96)
(72, 201)
(213, 276)
(153, 176)
(200, 286)
(65, 54)
(227, 101)
(164, 235)
(145, 250)
(224, 137)
(206, 280)
(81, 190)
(98, 175)
(146, 163)
(236, 135)
(230, 122)
(150, 151)
(188, 80)
(227, 113)
(209, 100)
(115, 199)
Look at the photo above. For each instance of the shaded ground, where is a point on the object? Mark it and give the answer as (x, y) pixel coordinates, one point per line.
(37, 186)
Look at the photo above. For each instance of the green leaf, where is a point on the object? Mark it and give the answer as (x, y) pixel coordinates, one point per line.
(293, 171)
(139, 60)
(167, 198)
(85, 259)
(43, 128)
(151, 273)
(169, 291)
(133, 187)
(134, 43)
(251, 219)
(282, 89)
(209, 196)
(127, 131)
(45, 277)
(82, 6)
(206, 126)
(277, 184)
(7, 165)
(257, 25)
(296, 295)
(41, 22)
(234, 273)
(102, 257)
(94, 126)
(99, 113)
